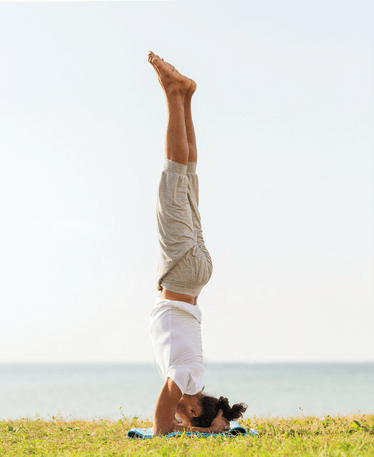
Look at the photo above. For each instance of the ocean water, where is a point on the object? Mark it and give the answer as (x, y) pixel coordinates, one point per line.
(97, 391)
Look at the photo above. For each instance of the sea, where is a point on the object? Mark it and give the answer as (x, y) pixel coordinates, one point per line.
(97, 391)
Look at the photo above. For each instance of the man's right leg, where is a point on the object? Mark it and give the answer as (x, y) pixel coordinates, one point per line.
(181, 141)
(175, 222)
(193, 182)
(191, 138)
(175, 87)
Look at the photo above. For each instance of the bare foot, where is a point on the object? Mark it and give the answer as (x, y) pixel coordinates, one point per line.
(169, 78)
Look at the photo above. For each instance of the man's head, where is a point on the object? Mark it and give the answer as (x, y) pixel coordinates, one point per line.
(209, 407)
(188, 408)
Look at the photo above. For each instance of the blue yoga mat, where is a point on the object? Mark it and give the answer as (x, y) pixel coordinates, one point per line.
(235, 430)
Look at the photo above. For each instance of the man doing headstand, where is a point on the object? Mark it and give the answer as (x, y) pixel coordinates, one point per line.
(185, 267)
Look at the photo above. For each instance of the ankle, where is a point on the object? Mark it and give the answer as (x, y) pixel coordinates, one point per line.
(187, 100)
(174, 91)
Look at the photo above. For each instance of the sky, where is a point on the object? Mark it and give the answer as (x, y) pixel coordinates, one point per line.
(284, 115)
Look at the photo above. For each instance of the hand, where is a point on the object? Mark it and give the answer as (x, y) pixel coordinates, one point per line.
(220, 423)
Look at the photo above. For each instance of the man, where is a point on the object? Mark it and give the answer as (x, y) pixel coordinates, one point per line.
(185, 267)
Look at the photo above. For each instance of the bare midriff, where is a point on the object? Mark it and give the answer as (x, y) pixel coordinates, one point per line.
(169, 295)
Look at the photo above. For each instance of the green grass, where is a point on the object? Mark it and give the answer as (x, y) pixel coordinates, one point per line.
(307, 436)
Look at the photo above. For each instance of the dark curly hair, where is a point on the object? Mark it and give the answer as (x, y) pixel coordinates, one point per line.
(211, 405)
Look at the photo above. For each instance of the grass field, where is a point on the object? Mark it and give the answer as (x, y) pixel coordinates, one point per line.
(306, 436)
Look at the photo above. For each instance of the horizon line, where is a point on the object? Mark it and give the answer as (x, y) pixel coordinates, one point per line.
(105, 362)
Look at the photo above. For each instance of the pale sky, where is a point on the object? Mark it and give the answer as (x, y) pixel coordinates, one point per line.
(284, 115)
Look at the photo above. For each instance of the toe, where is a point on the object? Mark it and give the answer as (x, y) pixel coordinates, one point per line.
(153, 58)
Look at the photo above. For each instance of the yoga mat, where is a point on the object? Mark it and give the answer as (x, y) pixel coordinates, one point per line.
(235, 430)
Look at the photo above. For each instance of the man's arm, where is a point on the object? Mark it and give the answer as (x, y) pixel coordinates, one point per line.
(166, 404)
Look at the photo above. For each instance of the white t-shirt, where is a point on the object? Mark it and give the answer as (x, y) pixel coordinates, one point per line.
(175, 329)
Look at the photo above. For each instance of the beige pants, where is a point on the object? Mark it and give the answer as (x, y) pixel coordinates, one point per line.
(185, 265)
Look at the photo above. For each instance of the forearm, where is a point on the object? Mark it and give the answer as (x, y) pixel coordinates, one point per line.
(162, 424)
(183, 428)
(163, 418)
(165, 408)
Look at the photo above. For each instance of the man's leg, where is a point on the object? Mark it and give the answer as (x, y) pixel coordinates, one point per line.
(191, 138)
(175, 87)
(176, 231)
(193, 182)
